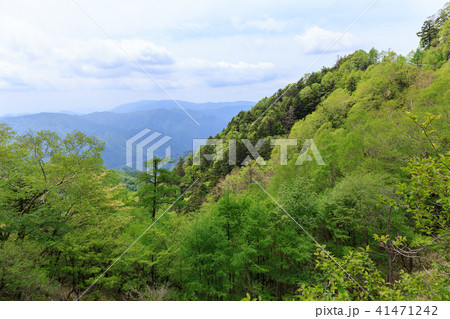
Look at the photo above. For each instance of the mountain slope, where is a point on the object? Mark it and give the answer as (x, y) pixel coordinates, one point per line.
(369, 222)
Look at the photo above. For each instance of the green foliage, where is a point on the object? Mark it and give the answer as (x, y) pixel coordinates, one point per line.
(431, 285)
(157, 187)
(249, 298)
(434, 38)
(426, 196)
(22, 272)
(55, 199)
(350, 212)
(353, 277)
(381, 123)
(430, 29)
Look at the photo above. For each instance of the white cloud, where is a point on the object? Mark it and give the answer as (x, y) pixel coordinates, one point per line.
(220, 74)
(13, 77)
(21, 41)
(316, 40)
(192, 26)
(29, 59)
(50, 46)
(104, 58)
(268, 24)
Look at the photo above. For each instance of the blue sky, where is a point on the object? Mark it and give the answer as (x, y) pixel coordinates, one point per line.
(54, 58)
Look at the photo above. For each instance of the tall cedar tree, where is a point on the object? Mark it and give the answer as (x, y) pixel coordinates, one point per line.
(157, 186)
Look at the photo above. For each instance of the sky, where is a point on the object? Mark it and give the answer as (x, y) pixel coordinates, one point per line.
(92, 55)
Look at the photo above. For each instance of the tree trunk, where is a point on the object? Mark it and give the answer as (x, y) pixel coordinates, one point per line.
(155, 170)
(391, 257)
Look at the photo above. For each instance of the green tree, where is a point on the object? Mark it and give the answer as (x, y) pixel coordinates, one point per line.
(428, 33)
(353, 277)
(157, 187)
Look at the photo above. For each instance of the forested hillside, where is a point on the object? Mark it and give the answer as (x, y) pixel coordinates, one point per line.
(370, 224)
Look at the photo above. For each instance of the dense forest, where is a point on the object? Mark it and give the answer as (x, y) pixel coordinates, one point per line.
(370, 224)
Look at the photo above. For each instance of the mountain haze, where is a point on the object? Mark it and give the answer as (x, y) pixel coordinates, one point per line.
(123, 122)
(225, 110)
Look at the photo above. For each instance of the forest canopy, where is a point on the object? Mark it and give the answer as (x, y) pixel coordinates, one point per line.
(371, 224)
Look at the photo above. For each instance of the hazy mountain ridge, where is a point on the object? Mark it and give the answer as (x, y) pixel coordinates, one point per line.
(145, 105)
(223, 110)
(115, 127)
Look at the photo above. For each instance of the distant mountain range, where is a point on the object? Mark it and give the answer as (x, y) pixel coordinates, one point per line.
(223, 110)
(125, 121)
